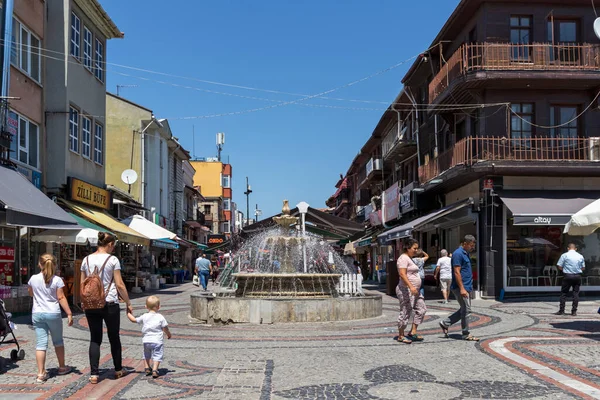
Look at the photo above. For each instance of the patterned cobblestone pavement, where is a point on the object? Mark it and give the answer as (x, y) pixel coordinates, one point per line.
(525, 352)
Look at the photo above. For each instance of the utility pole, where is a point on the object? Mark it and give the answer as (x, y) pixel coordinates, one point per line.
(247, 193)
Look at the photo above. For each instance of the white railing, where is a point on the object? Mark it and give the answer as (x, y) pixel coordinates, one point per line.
(392, 138)
(350, 284)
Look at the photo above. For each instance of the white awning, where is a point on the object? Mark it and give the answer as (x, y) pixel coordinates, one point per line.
(148, 228)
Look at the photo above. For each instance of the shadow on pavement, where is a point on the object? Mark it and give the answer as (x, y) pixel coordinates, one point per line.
(583, 326)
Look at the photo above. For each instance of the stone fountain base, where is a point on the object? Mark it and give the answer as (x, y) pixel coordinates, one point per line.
(270, 285)
(210, 309)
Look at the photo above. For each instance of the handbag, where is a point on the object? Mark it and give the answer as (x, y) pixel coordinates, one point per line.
(195, 281)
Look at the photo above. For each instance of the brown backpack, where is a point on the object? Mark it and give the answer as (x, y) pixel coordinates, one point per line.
(93, 296)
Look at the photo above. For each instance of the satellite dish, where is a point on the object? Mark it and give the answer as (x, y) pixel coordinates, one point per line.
(597, 27)
(129, 176)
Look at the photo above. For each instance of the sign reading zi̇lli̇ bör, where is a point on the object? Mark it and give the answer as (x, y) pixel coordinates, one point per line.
(83, 192)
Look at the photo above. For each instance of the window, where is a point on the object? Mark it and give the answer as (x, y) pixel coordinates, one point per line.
(75, 36)
(74, 130)
(521, 123)
(226, 227)
(87, 48)
(86, 137)
(563, 35)
(25, 143)
(99, 61)
(160, 201)
(227, 204)
(226, 181)
(207, 210)
(98, 143)
(25, 52)
(566, 117)
(520, 37)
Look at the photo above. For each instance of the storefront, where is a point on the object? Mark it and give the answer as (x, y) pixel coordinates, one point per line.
(533, 239)
(92, 203)
(23, 210)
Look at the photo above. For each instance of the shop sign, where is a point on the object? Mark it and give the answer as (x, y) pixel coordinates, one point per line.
(406, 201)
(32, 176)
(86, 193)
(488, 184)
(392, 206)
(13, 123)
(375, 218)
(545, 220)
(363, 243)
(215, 240)
(164, 245)
(7, 254)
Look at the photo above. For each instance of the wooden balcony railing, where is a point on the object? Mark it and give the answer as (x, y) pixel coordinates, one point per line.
(541, 149)
(514, 57)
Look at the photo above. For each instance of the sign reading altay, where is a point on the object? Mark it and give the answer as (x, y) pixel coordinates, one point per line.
(215, 240)
(83, 192)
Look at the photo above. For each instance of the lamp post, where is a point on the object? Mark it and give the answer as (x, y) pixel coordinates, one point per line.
(247, 193)
(303, 209)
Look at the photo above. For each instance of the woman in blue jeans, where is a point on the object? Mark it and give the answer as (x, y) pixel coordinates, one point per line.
(48, 296)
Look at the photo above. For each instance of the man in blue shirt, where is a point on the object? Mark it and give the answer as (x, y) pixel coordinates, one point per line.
(572, 265)
(462, 286)
(203, 270)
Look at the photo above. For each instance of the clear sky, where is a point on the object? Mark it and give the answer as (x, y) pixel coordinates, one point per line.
(293, 151)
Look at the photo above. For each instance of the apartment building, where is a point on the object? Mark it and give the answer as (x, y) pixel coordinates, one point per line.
(495, 134)
(214, 179)
(75, 92)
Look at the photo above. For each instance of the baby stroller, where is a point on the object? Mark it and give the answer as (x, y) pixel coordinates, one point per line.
(5, 330)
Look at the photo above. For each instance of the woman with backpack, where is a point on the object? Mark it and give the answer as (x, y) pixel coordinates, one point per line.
(101, 285)
(48, 296)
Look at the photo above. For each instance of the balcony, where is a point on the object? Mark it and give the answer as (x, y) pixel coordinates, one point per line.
(508, 57)
(398, 144)
(373, 170)
(555, 151)
(362, 197)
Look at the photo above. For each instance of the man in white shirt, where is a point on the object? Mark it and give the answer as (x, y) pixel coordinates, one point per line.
(444, 271)
(572, 265)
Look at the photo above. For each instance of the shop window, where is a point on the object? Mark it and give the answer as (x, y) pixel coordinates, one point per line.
(532, 253)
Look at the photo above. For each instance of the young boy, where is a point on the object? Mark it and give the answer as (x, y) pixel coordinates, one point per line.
(153, 327)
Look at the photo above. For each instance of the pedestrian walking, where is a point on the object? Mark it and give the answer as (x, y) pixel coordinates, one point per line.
(572, 265)
(420, 259)
(462, 286)
(107, 268)
(203, 268)
(154, 327)
(443, 271)
(409, 296)
(48, 296)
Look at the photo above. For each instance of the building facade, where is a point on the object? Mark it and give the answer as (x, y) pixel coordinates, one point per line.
(493, 134)
(75, 92)
(214, 181)
(177, 157)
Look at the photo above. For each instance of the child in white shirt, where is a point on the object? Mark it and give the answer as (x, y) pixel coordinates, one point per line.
(153, 327)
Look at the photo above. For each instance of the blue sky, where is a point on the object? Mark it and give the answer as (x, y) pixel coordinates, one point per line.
(294, 151)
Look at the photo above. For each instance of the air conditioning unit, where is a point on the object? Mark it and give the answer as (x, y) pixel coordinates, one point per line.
(377, 164)
(595, 149)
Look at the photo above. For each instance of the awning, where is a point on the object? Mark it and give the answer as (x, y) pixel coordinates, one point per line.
(123, 232)
(89, 234)
(199, 245)
(148, 228)
(193, 224)
(405, 230)
(26, 205)
(547, 207)
(165, 244)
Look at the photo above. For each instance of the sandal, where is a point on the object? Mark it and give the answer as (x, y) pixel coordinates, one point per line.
(148, 371)
(471, 338)
(42, 378)
(404, 340)
(120, 374)
(415, 338)
(65, 370)
(94, 379)
(154, 374)
(444, 329)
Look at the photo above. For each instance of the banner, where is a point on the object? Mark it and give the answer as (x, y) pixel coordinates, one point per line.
(392, 203)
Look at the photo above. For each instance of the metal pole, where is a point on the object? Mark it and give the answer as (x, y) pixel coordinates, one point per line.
(304, 241)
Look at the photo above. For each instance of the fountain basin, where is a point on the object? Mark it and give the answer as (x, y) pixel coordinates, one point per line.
(213, 310)
(275, 285)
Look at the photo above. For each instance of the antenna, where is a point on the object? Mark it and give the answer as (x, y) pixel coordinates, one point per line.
(129, 177)
(124, 86)
(220, 143)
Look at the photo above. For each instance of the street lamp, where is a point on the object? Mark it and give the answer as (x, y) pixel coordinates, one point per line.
(303, 209)
(247, 193)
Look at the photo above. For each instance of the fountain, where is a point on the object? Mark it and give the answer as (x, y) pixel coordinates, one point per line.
(283, 275)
